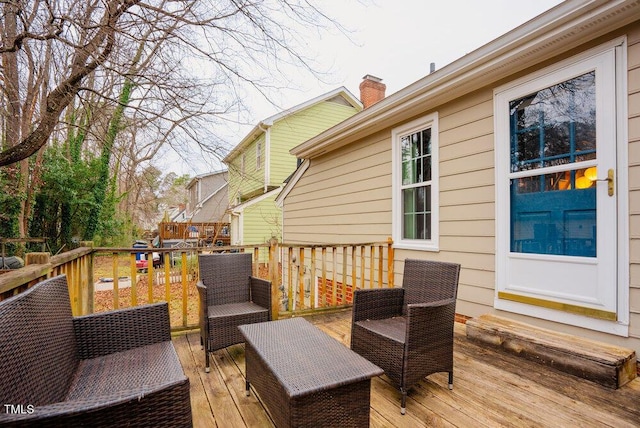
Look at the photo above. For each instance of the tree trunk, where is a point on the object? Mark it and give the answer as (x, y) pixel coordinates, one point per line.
(100, 190)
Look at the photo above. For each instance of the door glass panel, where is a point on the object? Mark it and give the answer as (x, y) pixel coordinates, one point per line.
(554, 212)
(554, 126)
(551, 215)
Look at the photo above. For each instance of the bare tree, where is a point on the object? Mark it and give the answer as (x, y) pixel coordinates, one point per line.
(244, 41)
(183, 64)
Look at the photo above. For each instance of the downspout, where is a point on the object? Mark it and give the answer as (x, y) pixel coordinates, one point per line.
(266, 128)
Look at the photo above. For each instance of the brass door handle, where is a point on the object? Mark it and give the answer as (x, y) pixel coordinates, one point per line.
(610, 182)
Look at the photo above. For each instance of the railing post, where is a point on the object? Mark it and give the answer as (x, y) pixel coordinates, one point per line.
(274, 278)
(37, 258)
(88, 293)
(256, 261)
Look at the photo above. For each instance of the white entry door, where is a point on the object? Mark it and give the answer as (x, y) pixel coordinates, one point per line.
(556, 146)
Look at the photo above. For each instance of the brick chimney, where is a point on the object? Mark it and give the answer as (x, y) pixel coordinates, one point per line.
(371, 90)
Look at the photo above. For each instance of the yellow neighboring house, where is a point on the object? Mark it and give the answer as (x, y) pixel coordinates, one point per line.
(259, 165)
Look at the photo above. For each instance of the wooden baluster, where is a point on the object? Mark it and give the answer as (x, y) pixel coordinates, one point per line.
(290, 281)
(380, 265)
(134, 280)
(167, 276)
(372, 265)
(116, 291)
(334, 276)
(185, 294)
(343, 287)
(390, 257)
(362, 266)
(312, 276)
(323, 291)
(301, 278)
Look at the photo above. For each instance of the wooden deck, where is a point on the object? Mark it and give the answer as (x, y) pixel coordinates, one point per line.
(491, 389)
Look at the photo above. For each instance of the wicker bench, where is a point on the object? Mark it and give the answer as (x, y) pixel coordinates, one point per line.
(305, 377)
(116, 368)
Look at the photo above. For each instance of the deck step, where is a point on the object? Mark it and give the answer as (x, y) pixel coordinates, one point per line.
(608, 365)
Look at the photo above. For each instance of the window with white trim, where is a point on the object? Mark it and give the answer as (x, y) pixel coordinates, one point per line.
(415, 184)
(258, 156)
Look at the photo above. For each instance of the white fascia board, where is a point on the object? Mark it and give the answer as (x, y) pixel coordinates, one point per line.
(241, 207)
(291, 183)
(338, 91)
(263, 125)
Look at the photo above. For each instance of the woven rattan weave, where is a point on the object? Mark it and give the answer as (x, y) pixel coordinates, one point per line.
(110, 369)
(305, 377)
(408, 331)
(229, 297)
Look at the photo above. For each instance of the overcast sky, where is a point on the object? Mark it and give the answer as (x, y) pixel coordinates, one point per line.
(395, 40)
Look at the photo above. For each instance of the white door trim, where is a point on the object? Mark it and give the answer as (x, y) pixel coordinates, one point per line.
(621, 325)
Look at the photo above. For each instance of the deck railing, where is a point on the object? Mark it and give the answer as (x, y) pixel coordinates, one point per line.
(212, 233)
(305, 278)
(76, 264)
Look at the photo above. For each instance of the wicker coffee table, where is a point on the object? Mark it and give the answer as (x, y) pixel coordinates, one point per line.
(305, 377)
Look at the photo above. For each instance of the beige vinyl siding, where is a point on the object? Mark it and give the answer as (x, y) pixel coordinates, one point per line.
(633, 62)
(296, 129)
(353, 206)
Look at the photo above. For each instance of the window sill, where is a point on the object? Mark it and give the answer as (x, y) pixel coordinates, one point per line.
(418, 246)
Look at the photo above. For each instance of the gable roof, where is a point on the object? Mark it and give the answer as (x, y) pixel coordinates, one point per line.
(566, 26)
(199, 177)
(262, 126)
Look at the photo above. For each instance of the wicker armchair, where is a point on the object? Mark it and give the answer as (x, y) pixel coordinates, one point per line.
(229, 297)
(109, 369)
(408, 331)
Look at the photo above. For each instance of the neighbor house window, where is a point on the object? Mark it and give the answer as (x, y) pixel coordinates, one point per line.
(258, 156)
(415, 184)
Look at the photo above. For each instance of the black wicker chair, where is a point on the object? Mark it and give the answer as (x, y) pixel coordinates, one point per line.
(109, 369)
(229, 297)
(408, 331)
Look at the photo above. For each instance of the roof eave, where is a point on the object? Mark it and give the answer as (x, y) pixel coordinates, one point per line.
(558, 30)
(268, 122)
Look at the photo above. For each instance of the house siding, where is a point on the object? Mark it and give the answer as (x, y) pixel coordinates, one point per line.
(295, 129)
(252, 179)
(262, 221)
(355, 205)
(214, 208)
(633, 64)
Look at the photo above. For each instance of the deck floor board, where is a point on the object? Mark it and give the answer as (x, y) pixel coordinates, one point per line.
(491, 389)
